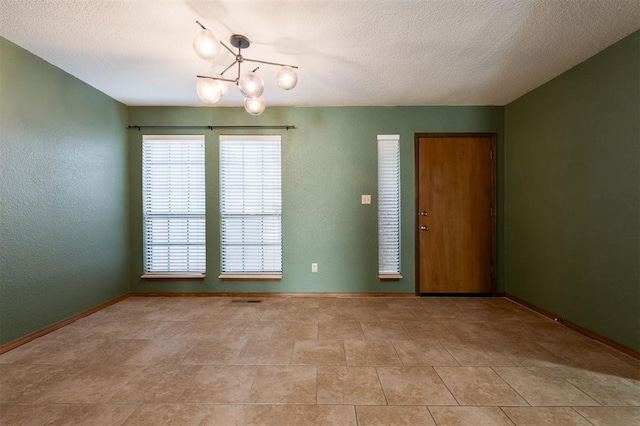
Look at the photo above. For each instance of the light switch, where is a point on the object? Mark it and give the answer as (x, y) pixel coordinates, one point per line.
(366, 199)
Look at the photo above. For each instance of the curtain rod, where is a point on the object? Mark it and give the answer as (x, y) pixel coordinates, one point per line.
(285, 127)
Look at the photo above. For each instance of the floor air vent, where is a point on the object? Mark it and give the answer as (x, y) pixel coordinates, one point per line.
(246, 301)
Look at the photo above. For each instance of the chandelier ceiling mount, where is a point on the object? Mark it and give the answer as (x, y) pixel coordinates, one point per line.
(239, 41)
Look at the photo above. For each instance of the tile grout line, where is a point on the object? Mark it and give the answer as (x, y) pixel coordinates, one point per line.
(583, 391)
(445, 385)
(509, 384)
(253, 383)
(580, 414)
(130, 414)
(391, 342)
(384, 394)
(450, 353)
(507, 415)
(430, 414)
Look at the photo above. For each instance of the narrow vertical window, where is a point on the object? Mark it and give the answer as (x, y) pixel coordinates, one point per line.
(250, 205)
(173, 200)
(389, 206)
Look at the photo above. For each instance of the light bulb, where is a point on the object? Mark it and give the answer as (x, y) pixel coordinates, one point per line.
(206, 44)
(255, 106)
(287, 77)
(208, 90)
(251, 85)
(224, 86)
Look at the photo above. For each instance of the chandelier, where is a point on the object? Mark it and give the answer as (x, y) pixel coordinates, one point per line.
(211, 89)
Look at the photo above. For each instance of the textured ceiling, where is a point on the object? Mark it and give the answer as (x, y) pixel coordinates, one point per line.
(358, 52)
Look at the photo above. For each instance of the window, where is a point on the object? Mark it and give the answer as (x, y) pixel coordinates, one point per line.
(389, 206)
(173, 200)
(250, 206)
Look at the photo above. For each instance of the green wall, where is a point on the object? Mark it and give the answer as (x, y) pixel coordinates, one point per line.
(573, 194)
(329, 160)
(63, 195)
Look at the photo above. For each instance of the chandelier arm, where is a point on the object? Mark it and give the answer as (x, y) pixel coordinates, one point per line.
(228, 48)
(229, 67)
(201, 26)
(217, 78)
(270, 63)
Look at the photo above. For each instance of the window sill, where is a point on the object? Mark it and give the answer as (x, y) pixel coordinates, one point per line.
(390, 277)
(176, 276)
(250, 277)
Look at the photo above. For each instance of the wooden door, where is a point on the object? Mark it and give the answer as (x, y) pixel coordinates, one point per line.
(455, 236)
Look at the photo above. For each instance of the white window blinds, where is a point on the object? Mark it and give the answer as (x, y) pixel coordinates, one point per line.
(250, 204)
(388, 204)
(173, 199)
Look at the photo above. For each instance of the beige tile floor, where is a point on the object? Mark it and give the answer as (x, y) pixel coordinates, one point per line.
(325, 361)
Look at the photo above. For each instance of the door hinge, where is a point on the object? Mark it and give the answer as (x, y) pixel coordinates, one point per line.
(490, 155)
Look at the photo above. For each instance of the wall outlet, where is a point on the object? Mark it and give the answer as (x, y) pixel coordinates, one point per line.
(366, 199)
(314, 267)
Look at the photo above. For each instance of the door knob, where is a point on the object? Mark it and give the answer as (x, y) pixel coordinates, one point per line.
(424, 228)
(423, 214)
